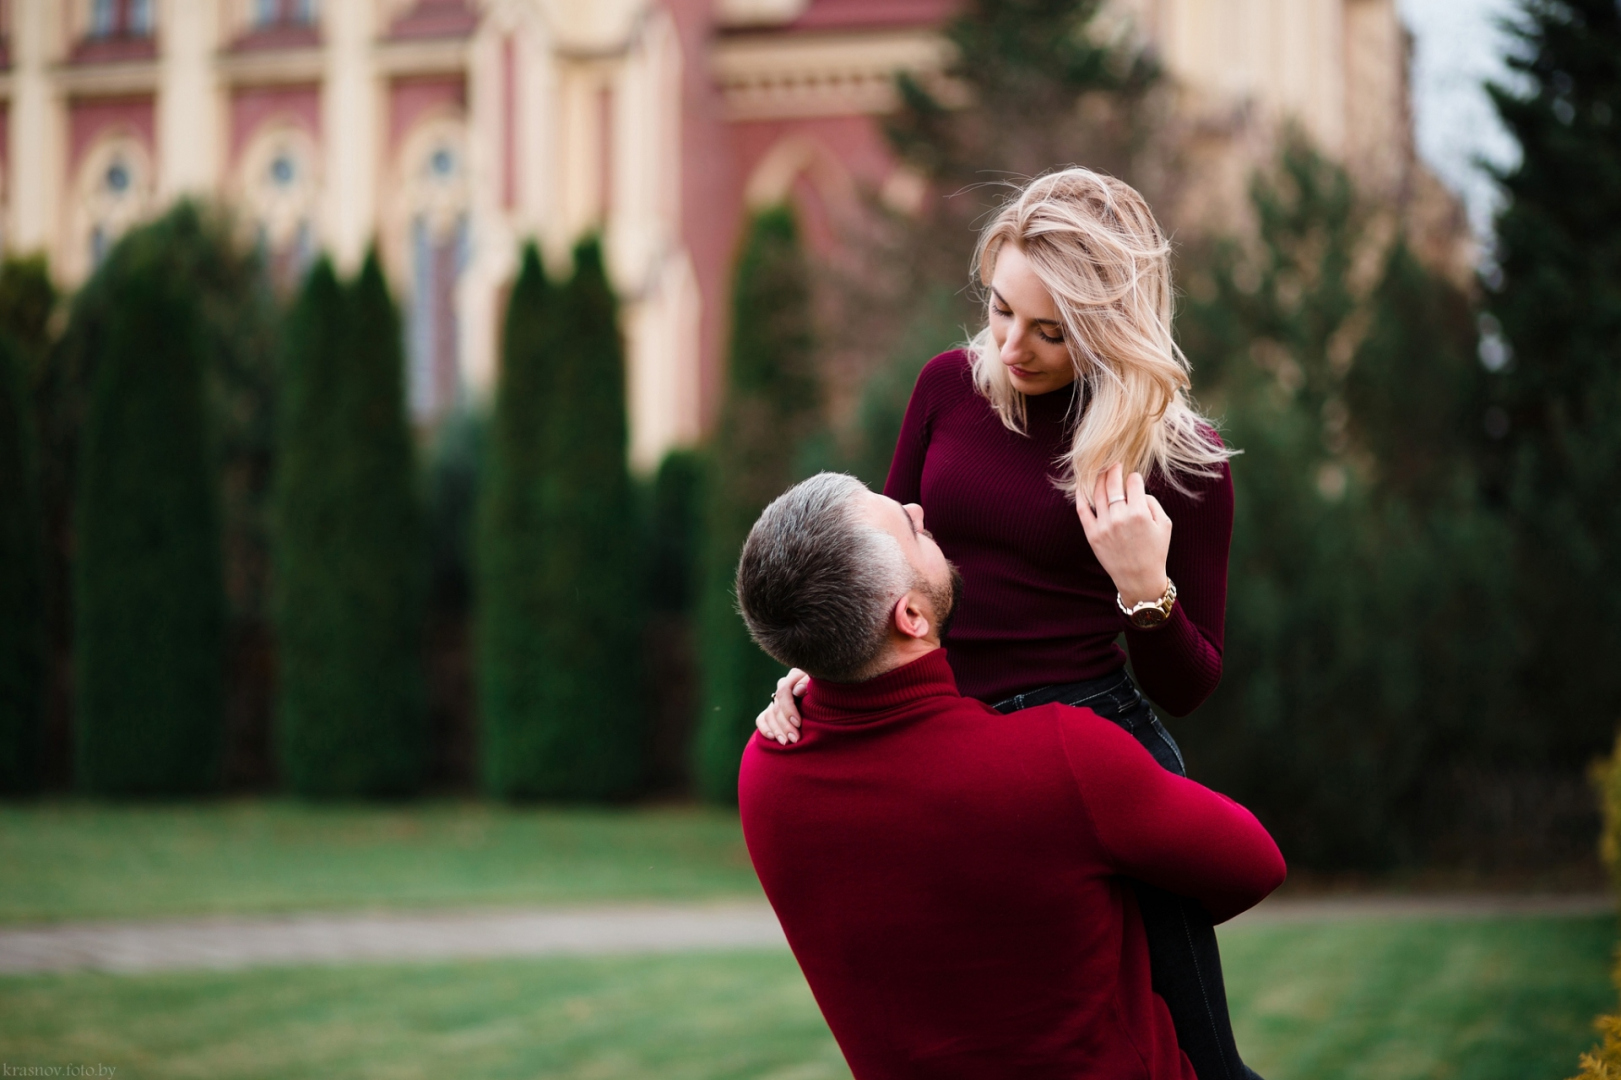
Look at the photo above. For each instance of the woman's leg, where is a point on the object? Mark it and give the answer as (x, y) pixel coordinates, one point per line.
(1182, 947)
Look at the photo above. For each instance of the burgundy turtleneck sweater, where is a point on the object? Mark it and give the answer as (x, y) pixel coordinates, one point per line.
(1037, 607)
(951, 880)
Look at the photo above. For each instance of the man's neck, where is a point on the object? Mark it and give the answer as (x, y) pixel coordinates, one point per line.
(903, 651)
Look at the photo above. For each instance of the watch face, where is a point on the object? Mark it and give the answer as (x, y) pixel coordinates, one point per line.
(1148, 618)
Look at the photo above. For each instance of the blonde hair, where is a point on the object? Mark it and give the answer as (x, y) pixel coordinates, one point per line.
(1093, 243)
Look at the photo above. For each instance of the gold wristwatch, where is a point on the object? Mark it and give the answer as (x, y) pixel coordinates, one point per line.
(1149, 613)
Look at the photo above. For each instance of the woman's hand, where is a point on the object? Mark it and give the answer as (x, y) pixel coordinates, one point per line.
(1130, 533)
(780, 719)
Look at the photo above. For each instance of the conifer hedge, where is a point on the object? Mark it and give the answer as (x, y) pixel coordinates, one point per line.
(148, 594)
(350, 562)
(559, 587)
(510, 609)
(22, 601)
(772, 405)
(1555, 301)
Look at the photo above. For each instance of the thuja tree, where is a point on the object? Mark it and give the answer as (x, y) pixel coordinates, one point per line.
(559, 589)
(149, 602)
(1557, 460)
(510, 595)
(594, 555)
(348, 548)
(27, 299)
(203, 254)
(1359, 551)
(22, 567)
(771, 405)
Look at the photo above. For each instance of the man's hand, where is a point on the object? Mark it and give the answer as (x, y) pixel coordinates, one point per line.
(780, 719)
(1130, 533)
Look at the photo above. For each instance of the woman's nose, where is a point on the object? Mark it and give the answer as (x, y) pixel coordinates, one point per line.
(1013, 345)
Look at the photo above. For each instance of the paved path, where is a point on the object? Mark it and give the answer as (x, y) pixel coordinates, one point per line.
(227, 943)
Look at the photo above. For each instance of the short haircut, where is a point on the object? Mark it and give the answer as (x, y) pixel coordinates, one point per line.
(815, 583)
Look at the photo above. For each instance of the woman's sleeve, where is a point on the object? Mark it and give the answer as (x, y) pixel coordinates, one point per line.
(905, 481)
(1178, 664)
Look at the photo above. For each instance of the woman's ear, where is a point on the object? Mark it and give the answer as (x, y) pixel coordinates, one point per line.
(909, 618)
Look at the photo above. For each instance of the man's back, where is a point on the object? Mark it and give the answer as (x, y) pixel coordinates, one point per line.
(948, 878)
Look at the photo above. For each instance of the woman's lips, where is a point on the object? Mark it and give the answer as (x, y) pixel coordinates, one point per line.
(1022, 373)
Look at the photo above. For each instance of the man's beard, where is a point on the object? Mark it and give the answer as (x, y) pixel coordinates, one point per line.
(945, 599)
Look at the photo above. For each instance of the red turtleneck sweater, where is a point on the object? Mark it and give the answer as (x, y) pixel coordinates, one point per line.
(951, 879)
(1037, 608)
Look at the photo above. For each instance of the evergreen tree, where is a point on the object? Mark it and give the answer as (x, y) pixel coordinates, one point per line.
(560, 592)
(772, 404)
(1046, 90)
(239, 319)
(149, 600)
(22, 567)
(1359, 550)
(594, 567)
(1557, 461)
(27, 299)
(510, 593)
(674, 523)
(349, 548)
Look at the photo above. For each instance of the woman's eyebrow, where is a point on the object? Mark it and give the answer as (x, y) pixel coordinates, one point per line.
(1003, 301)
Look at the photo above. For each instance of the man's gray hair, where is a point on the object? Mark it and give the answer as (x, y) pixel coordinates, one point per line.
(816, 582)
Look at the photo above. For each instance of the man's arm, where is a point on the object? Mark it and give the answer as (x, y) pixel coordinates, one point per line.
(1164, 829)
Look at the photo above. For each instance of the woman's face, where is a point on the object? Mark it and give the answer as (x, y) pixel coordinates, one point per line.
(1024, 325)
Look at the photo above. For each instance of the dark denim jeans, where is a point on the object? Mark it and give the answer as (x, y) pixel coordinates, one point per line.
(1181, 940)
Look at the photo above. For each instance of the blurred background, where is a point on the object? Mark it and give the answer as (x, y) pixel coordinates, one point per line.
(386, 387)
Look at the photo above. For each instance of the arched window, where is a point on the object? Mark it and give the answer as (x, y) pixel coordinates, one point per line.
(279, 179)
(120, 18)
(114, 191)
(434, 168)
(267, 13)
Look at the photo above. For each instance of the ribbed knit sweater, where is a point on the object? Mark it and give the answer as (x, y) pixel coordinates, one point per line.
(1037, 607)
(951, 880)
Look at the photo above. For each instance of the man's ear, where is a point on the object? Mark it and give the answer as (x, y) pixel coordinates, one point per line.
(909, 618)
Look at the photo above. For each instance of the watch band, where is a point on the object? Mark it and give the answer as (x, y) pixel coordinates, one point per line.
(1149, 613)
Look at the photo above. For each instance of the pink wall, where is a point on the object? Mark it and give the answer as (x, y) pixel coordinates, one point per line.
(855, 142)
(252, 107)
(717, 157)
(711, 194)
(91, 118)
(853, 14)
(410, 99)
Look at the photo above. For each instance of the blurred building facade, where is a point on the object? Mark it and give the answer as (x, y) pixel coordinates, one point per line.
(449, 131)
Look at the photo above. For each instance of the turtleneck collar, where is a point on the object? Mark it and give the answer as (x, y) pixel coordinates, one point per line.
(927, 676)
(1056, 406)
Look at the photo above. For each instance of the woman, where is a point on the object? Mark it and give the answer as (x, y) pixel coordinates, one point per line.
(1052, 456)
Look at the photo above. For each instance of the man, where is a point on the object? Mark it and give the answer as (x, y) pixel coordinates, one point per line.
(950, 879)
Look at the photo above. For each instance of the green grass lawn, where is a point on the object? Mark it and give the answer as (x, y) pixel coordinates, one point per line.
(1386, 1000)
(1508, 999)
(74, 860)
(1361, 1000)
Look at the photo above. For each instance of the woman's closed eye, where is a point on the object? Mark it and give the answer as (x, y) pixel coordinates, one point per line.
(1006, 313)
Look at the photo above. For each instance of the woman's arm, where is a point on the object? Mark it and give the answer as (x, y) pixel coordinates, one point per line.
(1178, 663)
(905, 482)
